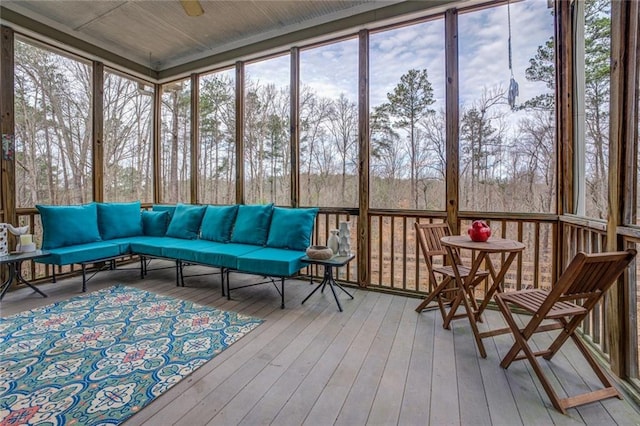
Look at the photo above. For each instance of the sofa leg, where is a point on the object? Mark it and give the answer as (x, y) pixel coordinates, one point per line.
(141, 267)
(282, 292)
(53, 273)
(177, 273)
(228, 287)
(84, 278)
(222, 281)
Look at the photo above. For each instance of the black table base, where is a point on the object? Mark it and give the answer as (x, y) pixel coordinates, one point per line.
(14, 264)
(328, 279)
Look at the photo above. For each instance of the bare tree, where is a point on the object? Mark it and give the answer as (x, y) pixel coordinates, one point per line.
(344, 128)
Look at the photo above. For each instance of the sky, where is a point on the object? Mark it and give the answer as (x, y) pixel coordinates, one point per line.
(483, 56)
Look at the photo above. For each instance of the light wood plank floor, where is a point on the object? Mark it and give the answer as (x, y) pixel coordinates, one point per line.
(377, 363)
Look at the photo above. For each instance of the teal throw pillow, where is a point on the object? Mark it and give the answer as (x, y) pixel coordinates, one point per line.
(170, 209)
(155, 224)
(252, 224)
(119, 220)
(68, 225)
(217, 223)
(291, 228)
(185, 222)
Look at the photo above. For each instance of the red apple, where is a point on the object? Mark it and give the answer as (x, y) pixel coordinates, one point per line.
(479, 231)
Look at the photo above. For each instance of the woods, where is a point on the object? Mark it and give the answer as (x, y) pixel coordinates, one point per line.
(507, 157)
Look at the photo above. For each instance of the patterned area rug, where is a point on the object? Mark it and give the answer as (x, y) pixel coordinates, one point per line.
(99, 358)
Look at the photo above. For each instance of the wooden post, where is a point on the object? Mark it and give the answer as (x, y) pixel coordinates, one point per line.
(363, 160)
(195, 137)
(240, 132)
(623, 120)
(564, 106)
(157, 146)
(294, 128)
(564, 118)
(453, 117)
(97, 169)
(7, 160)
(631, 83)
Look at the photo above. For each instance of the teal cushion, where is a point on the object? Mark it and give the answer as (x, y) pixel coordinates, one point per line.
(271, 262)
(154, 223)
(187, 249)
(291, 228)
(170, 209)
(252, 224)
(151, 246)
(185, 222)
(217, 223)
(119, 220)
(68, 225)
(223, 255)
(80, 253)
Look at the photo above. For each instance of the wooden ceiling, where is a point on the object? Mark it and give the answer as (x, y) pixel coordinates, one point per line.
(159, 36)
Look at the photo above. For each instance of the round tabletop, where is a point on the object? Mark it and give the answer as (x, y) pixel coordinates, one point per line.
(492, 245)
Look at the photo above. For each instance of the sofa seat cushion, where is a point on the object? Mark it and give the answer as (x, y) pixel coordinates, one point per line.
(118, 220)
(224, 255)
(124, 244)
(69, 225)
(188, 250)
(151, 246)
(80, 253)
(271, 262)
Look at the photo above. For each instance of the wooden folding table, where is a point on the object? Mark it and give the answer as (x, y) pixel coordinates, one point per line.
(494, 245)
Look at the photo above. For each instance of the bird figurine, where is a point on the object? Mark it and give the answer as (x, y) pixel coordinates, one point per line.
(21, 230)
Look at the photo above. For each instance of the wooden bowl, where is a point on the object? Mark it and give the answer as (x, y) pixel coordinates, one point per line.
(319, 252)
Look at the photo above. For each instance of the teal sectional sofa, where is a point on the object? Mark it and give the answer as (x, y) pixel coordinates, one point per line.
(255, 239)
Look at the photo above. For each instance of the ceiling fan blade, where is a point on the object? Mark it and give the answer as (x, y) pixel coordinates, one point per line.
(192, 7)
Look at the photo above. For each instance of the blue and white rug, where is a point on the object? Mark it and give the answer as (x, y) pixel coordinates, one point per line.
(98, 358)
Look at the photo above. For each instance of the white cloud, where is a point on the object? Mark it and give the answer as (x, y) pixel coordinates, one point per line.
(331, 69)
(483, 56)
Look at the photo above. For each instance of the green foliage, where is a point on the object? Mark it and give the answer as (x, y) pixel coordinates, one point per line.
(411, 99)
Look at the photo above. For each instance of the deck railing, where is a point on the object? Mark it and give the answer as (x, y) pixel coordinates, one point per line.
(395, 262)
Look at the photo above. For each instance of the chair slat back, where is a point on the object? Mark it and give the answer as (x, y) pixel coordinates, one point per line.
(589, 276)
(429, 235)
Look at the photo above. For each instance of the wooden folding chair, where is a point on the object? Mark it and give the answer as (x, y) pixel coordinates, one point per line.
(576, 293)
(429, 235)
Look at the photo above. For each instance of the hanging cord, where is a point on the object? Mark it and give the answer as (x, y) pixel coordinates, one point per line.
(513, 84)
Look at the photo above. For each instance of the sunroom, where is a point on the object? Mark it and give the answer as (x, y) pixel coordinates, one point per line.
(383, 114)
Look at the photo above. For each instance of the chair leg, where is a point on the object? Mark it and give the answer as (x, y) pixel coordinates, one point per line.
(567, 331)
(521, 344)
(594, 365)
(474, 325)
(443, 312)
(435, 293)
(515, 330)
(453, 309)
